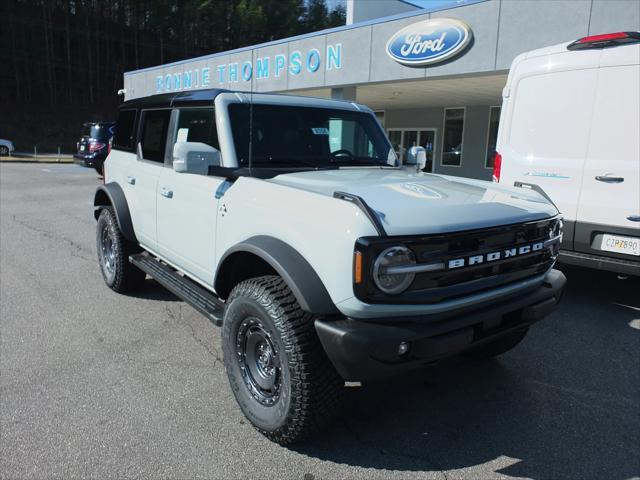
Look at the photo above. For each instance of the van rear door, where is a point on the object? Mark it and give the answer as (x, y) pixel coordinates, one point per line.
(609, 204)
(545, 133)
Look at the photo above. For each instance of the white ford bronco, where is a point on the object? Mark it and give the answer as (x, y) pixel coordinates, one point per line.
(289, 222)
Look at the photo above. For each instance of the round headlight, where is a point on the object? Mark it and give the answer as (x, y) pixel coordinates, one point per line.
(391, 280)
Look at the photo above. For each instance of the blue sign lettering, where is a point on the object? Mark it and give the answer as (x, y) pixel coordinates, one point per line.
(233, 72)
(295, 63)
(281, 61)
(221, 69)
(334, 56)
(262, 67)
(311, 61)
(247, 71)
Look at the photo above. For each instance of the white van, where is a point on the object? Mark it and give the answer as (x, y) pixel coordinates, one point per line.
(570, 124)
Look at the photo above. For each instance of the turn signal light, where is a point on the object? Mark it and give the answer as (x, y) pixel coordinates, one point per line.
(357, 267)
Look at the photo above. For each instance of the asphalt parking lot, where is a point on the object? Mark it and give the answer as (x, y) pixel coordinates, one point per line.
(94, 384)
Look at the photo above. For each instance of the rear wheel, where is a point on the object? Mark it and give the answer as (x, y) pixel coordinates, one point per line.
(113, 254)
(497, 347)
(4, 150)
(278, 371)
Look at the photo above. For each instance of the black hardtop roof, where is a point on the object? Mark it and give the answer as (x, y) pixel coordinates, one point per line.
(164, 100)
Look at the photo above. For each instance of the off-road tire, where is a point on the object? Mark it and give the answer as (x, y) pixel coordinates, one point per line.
(118, 273)
(311, 389)
(497, 347)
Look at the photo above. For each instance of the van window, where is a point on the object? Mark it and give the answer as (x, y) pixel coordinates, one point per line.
(155, 124)
(198, 125)
(452, 143)
(123, 138)
(551, 115)
(492, 136)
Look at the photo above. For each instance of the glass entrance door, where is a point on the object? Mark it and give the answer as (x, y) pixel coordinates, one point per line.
(403, 139)
(428, 141)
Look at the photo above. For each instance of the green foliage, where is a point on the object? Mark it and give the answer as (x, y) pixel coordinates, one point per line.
(61, 56)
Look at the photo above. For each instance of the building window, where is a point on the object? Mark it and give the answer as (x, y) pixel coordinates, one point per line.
(492, 136)
(452, 142)
(403, 139)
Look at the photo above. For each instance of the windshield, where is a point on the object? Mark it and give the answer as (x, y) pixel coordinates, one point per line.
(302, 137)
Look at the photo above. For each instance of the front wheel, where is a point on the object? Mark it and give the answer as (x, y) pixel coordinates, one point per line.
(497, 347)
(113, 254)
(4, 150)
(278, 371)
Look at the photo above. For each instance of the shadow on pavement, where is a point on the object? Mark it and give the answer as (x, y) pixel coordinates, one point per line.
(564, 404)
(152, 290)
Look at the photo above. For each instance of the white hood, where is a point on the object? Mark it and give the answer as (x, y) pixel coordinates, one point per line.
(410, 203)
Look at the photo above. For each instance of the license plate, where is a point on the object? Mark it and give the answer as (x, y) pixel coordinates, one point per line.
(618, 244)
(82, 148)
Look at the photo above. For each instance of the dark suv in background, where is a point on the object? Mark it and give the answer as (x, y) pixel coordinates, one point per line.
(93, 145)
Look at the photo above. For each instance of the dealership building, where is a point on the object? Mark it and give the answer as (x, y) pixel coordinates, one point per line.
(434, 77)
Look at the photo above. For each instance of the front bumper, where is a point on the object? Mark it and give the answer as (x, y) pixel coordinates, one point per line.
(600, 262)
(365, 350)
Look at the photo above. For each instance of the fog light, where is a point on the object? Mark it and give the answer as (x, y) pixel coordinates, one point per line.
(403, 348)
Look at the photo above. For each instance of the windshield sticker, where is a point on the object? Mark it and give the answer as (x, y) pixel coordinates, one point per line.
(320, 131)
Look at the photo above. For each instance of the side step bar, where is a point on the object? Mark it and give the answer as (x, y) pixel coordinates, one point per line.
(199, 298)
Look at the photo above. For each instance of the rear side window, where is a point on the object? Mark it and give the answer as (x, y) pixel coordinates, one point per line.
(123, 138)
(198, 125)
(155, 124)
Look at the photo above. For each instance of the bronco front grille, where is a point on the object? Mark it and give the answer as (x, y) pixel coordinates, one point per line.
(471, 261)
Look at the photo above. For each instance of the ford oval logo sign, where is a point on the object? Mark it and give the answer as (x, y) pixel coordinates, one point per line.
(429, 41)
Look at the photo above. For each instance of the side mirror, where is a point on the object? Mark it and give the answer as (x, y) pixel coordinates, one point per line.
(194, 157)
(417, 156)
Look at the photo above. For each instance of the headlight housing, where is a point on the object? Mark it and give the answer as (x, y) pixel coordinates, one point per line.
(387, 275)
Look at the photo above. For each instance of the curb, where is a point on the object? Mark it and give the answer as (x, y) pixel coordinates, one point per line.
(32, 160)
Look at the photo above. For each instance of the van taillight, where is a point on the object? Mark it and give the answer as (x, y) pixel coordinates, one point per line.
(605, 40)
(497, 165)
(109, 146)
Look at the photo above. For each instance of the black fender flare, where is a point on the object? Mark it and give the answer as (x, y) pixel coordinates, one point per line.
(302, 279)
(111, 194)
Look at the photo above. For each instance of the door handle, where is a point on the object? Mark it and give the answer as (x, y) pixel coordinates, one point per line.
(131, 180)
(634, 218)
(165, 192)
(608, 179)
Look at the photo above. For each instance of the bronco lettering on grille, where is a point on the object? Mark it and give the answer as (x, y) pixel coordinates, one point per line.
(478, 259)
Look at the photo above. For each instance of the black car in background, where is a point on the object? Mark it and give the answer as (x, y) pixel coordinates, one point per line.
(93, 146)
